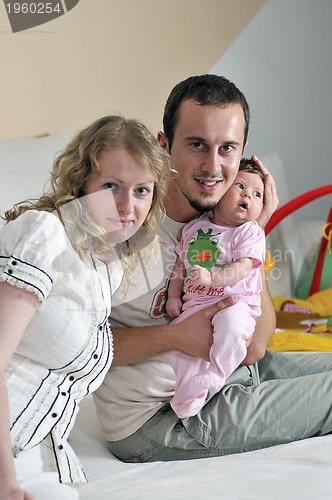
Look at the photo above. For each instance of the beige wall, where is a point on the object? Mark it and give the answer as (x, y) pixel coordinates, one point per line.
(108, 56)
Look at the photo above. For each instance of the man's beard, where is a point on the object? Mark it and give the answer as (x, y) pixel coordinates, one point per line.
(199, 206)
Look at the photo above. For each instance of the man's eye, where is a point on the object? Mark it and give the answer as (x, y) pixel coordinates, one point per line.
(228, 148)
(197, 144)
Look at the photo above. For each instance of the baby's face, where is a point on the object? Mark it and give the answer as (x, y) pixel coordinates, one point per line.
(242, 202)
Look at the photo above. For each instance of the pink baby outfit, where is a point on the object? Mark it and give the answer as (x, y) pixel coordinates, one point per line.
(213, 246)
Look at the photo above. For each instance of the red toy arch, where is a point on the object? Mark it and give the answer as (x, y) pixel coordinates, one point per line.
(291, 207)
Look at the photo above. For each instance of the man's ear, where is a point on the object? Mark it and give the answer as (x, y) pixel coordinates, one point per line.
(163, 141)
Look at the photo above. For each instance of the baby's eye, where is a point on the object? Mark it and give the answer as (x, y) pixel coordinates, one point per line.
(239, 185)
(257, 194)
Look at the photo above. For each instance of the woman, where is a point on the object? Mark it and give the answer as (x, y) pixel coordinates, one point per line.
(58, 268)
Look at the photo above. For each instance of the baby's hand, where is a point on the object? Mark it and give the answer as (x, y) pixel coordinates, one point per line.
(173, 307)
(200, 275)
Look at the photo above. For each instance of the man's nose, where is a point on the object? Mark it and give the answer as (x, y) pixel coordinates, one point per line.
(212, 164)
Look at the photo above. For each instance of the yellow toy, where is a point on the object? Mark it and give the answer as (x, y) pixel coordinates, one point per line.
(269, 263)
(321, 327)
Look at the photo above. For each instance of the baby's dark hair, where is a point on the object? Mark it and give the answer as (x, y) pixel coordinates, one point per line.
(247, 165)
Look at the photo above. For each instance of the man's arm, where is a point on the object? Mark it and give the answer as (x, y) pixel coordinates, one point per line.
(192, 336)
(265, 326)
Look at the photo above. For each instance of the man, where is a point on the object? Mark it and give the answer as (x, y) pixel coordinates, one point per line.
(206, 123)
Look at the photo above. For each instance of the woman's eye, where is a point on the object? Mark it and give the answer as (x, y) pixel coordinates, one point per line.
(110, 185)
(143, 191)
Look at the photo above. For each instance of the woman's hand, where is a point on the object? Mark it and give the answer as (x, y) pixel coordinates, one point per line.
(18, 495)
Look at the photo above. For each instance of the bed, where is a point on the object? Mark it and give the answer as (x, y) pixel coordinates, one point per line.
(291, 471)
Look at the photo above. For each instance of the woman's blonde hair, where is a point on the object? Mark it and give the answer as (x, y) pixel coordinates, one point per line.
(79, 162)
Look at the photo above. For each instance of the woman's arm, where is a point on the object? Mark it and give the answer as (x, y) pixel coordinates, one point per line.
(16, 310)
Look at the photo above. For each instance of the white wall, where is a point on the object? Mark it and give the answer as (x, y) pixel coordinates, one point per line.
(109, 56)
(282, 61)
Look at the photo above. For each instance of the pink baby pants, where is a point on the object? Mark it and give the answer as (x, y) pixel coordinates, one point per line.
(233, 326)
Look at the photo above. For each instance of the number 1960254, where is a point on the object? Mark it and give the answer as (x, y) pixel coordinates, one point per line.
(33, 8)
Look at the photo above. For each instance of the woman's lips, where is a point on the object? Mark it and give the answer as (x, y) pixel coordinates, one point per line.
(126, 223)
(120, 223)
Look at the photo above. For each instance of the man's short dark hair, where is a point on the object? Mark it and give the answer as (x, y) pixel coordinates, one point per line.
(212, 90)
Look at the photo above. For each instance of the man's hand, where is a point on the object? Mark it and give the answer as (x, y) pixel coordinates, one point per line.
(271, 200)
(193, 336)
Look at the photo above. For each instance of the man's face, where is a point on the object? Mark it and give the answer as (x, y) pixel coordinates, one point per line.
(206, 152)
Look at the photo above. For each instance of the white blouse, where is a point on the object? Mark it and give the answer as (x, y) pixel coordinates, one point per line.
(67, 347)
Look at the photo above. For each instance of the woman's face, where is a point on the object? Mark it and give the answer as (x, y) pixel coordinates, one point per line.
(119, 197)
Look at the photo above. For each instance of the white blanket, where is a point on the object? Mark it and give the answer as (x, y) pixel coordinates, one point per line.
(295, 471)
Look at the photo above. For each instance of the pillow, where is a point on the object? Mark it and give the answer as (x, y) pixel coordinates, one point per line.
(19, 186)
(310, 235)
(25, 166)
(31, 154)
(304, 285)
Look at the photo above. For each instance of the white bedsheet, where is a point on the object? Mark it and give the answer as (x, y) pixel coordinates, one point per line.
(301, 470)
